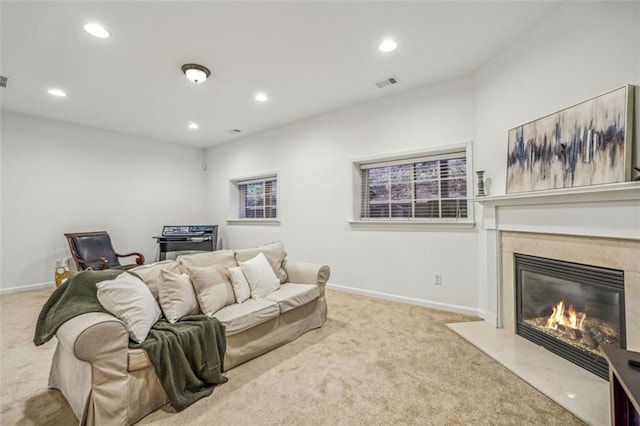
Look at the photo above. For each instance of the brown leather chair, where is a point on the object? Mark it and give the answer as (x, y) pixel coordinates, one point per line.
(94, 250)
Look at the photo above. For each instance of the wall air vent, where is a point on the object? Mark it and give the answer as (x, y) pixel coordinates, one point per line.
(235, 131)
(387, 82)
(4, 81)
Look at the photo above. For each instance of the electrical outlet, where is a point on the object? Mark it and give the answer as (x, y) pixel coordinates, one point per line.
(437, 279)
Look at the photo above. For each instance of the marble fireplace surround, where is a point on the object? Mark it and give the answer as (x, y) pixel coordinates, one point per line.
(603, 252)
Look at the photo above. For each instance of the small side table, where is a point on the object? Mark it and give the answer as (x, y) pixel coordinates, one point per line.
(624, 386)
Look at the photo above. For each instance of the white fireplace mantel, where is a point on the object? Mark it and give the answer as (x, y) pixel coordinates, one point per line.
(611, 211)
(600, 193)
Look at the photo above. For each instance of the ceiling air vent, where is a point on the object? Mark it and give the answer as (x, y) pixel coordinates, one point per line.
(4, 81)
(387, 82)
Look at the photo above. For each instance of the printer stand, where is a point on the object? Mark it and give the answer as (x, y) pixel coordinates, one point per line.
(187, 237)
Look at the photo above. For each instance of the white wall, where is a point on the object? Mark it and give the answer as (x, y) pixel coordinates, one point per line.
(312, 158)
(577, 52)
(59, 177)
(1, 185)
(1, 189)
(582, 50)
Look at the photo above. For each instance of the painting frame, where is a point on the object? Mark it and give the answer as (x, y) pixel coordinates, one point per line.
(589, 143)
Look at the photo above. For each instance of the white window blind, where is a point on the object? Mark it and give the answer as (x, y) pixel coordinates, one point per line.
(258, 198)
(424, 187)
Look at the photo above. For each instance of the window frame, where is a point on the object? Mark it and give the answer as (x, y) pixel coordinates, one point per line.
(357, 177)
(235, 203)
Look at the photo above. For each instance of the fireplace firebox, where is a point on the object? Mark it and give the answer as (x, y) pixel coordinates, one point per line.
(570, 309)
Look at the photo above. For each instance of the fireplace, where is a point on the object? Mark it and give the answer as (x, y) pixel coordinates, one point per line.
(570, 309)
(595, 226)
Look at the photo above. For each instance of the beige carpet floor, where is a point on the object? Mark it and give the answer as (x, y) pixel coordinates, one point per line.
(374, 362)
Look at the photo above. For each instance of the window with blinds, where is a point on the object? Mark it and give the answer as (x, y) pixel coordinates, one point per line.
(425, 187)
(258, 198)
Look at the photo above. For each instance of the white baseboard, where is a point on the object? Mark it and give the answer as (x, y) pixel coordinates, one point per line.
(29, 287)
(410, 300)
(491, 319)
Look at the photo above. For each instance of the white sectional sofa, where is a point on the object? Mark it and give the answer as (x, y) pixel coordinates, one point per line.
(106, 382)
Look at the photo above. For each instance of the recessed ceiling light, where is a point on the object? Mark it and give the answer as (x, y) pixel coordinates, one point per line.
(388, 45)
(571, 395)
(193, 126)
(57, 92)
(261, 97)
(97, 30)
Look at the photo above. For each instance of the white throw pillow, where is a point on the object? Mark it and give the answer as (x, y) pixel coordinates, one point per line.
(275, 254)
(240, 284)
(262, 279)
(212, 286)
(128, 298)
(177, 298)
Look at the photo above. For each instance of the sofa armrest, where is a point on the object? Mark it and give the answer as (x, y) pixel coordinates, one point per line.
(101, 340)
(307, 273)
(94, 337)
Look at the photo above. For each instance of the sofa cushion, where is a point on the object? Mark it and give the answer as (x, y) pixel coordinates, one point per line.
(226, 258)
(137, 359)
(152, 274)
(275, 254)
(262, 280)
(241, 316)
(176, 295)
(212, 286)
(290, 296)
(240, 284)
(128, 298)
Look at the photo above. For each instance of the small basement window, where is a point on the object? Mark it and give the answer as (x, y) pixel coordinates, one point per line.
(424, 187)
(254, 199)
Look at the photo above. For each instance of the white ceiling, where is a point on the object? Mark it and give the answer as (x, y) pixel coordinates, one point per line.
(309, 57)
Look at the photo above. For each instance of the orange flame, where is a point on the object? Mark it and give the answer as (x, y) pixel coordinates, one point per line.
(558, 317)
(573, 320)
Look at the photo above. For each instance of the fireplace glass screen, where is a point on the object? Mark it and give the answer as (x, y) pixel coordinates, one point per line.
(570, 309)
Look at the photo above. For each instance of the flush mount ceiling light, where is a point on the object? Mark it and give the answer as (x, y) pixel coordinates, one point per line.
(57, 92)
(388, 45)
(196, 73)
(97, 30)
(261, 97)
(193, 126)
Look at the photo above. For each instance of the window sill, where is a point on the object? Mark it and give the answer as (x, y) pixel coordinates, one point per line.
(411, 224)
(267, 222)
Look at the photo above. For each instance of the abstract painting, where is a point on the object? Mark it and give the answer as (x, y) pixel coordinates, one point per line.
(586, 144)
